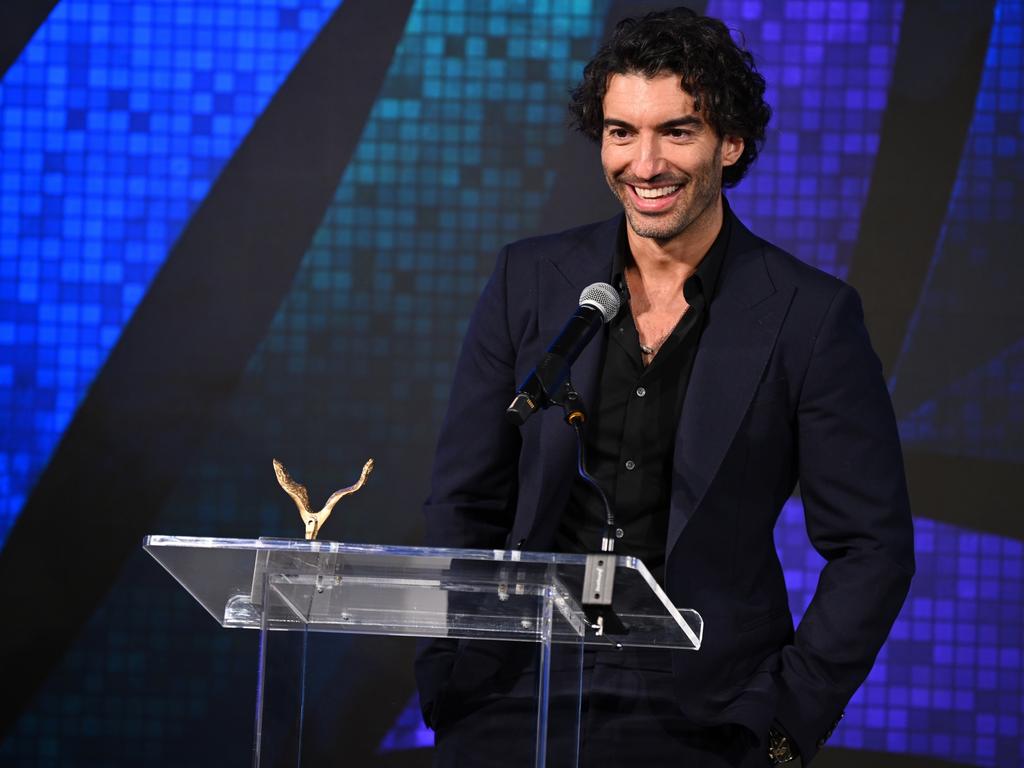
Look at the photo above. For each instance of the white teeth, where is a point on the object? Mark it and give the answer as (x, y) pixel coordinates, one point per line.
(652, 194)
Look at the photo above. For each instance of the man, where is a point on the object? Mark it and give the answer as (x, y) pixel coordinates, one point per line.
(731, 372)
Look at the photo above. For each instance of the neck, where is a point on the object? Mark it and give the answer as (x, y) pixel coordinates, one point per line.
(679, 256)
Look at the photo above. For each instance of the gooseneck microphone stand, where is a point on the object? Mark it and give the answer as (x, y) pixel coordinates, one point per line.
(599, 575)
(575, 416)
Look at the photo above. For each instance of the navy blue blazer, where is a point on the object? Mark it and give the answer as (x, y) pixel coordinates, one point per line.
(785, 388)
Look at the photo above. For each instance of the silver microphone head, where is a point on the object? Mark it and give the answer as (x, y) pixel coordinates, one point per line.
(601, 297)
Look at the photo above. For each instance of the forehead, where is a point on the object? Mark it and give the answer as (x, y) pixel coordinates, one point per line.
(635, 96)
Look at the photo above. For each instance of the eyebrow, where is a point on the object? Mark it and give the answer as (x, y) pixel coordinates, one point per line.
(677, 122)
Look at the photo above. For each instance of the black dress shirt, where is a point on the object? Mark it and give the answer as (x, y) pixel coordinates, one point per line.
(631, 430)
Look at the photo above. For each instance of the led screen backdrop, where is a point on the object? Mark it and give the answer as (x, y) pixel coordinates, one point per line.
(232, 231)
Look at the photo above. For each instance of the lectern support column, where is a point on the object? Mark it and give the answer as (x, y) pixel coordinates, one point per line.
(559, 714)
(280, 685)
(544, 680)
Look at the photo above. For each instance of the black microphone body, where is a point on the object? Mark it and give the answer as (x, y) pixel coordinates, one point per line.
(552, 371)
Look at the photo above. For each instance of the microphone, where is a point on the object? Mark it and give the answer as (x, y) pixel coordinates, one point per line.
(599, 303)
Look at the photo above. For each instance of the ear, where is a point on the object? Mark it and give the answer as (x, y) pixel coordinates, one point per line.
(732, 148)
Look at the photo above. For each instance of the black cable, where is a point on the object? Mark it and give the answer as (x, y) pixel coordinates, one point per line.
(575, 418)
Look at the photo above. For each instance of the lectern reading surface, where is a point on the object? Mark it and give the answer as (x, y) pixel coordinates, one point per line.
(303, 586)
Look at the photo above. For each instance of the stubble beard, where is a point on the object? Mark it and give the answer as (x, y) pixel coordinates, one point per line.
(698, 193)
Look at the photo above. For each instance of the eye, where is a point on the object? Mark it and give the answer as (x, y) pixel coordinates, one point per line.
(679, 133)
(617, 133)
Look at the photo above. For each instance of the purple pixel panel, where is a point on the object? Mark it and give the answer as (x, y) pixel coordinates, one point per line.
(827, 66)
(959, 382)
(949, 682)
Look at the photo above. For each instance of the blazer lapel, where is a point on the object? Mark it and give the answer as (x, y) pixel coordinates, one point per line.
(561, 284)
(562, 278)
(744, 321)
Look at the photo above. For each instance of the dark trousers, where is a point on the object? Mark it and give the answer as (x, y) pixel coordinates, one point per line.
(629, 717)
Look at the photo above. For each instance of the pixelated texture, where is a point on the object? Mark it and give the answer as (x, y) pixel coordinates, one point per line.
(958, 382)
(114, 122)
(828, 66)
(980, 414)
(454, 161)
(949, 682)
(126, 702)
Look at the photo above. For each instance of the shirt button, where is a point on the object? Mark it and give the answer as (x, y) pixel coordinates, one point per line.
(640, 391)
(630, 464)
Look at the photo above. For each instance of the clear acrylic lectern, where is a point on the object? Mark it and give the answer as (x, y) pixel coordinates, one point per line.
(323, 586)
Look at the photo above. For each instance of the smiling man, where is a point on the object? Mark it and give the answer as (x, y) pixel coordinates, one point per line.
(731, 372)
(662, 160)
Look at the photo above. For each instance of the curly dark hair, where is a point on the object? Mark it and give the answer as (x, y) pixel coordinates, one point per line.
(720, 76)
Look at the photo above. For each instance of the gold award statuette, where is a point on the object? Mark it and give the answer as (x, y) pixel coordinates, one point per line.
(315, 520)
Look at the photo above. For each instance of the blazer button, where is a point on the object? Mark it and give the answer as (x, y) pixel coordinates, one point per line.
(630, 465)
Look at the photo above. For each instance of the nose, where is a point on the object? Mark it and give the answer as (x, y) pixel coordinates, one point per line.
(650, 161)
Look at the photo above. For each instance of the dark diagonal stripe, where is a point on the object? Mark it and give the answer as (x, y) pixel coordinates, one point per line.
(183, 353)
(931, 101)
(19, 20)
(930, 106)
(981, 494)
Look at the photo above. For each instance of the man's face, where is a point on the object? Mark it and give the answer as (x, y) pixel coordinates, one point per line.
(660, 158)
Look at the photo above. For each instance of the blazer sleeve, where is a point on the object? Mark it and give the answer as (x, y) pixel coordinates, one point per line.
(858, 518)
(473, 481)
(474, 477)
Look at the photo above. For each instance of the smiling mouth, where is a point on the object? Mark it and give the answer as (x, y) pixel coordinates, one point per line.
(654, 193)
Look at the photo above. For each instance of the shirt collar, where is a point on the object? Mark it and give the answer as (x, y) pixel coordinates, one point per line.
(704, 279)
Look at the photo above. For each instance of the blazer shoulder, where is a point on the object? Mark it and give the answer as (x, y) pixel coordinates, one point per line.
(588, 238)
(787, 269)
(817, 295)
(756, 268)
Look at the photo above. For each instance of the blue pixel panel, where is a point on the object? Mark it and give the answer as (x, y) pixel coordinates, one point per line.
(453, 162)
(114, 123)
